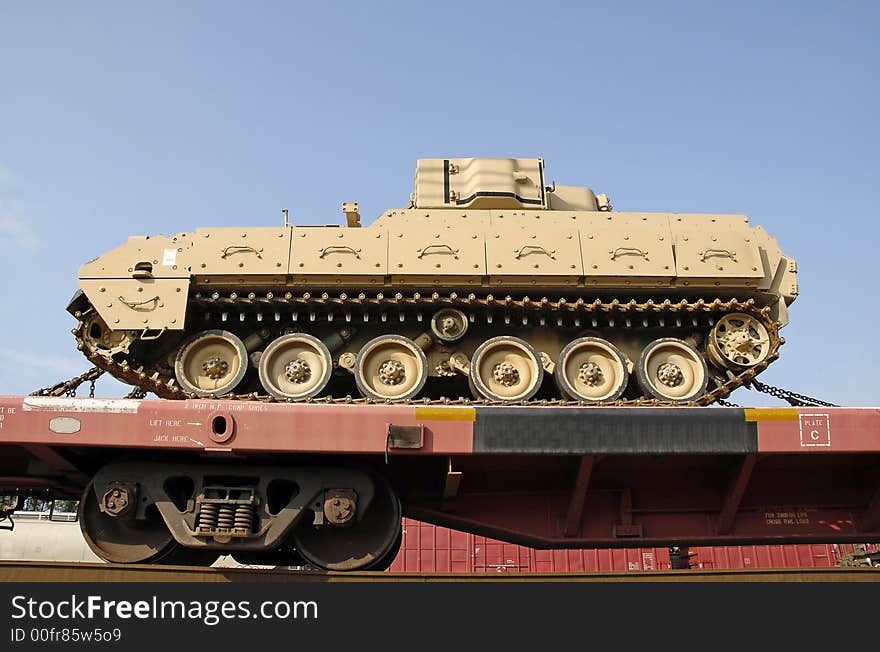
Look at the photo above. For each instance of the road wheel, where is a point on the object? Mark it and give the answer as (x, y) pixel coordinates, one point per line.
(672, 370)
(295, 366)
(390, 368)
(506, 369)
(209, 363)
(591, 369)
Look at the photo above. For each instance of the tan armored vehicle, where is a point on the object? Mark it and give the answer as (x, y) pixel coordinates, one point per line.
(490, 286)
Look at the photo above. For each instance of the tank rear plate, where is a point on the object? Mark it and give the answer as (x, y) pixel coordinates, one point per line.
(134, 304)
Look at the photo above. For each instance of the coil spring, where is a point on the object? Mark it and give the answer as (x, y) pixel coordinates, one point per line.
(208, 516)
(226, 517)
(245, 516)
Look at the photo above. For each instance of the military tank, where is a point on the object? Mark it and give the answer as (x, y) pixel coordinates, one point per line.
(491, 286)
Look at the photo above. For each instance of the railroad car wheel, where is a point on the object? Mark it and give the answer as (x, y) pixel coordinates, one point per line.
(390, 367)
(670, 369)
(388, 558)
(506, 368)
(295, 366)
(591, 369)
(362, 545)
(211, 362)
(738, 340)
(123, 539)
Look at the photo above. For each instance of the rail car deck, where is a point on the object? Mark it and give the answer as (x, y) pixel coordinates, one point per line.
(547, 477)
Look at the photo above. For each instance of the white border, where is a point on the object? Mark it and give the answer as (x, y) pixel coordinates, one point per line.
(805, 444)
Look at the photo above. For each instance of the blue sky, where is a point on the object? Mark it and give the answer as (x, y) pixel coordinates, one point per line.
(119, 120)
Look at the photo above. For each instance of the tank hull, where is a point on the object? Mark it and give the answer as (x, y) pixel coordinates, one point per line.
(192, 314)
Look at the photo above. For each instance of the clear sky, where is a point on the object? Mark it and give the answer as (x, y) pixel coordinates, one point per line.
(119, 120)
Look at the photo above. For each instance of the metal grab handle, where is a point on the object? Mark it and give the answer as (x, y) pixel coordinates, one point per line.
(325, 250)
(233, 249)
(538, 248)
(721, 252)
(137, 304)
(145, 335)
(423, 251)
(632, 250)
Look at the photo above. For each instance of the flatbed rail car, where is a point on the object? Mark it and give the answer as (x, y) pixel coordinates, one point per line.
(329, 481)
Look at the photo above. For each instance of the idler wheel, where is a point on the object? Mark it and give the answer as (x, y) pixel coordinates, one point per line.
(365, 544)
(738, 340)
(122, 538)
(591, 369)
(390, 368)
(211, 362)
(104, 340)
(672, 370)
(295, 366)
(506, 368)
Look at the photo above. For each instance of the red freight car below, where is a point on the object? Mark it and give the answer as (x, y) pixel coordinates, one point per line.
(429, 548)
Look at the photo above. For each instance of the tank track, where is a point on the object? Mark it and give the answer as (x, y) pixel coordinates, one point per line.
(344, 308)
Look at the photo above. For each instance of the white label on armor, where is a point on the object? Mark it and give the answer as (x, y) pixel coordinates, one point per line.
(169, 257)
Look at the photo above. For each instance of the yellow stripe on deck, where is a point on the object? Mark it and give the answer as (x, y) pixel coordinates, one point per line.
(446, 414)
(771, 414)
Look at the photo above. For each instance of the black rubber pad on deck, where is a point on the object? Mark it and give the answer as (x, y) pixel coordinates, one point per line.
(580, 431)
